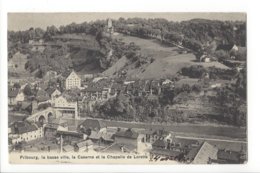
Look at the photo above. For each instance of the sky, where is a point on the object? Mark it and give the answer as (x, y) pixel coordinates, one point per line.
(24, 21)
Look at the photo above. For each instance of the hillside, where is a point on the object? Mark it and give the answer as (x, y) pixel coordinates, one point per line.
(167, 60)
(88, 45)
(143, 52)
(119, 65)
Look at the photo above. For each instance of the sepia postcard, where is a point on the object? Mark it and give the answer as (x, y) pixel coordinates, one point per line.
(127, 88)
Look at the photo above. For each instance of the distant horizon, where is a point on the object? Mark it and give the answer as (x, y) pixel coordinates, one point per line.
(24, 21)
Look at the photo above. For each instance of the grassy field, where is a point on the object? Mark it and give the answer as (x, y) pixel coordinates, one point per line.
(148, 46)
(189, 81)
(117, 66)
(167, 59)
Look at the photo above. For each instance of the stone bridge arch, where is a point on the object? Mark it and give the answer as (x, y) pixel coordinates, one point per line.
(41, 120)
(50, 116)
(42, 117)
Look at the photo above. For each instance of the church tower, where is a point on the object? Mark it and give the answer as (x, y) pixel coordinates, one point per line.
(110, 28)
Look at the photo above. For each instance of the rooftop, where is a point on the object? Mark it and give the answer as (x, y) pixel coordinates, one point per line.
(205, 153)
(159, 143)
(165, 152)
(68, 148)
(92, 124)
(94, 135)
(20, 127)
(42, 96)
(12, 92)
(129, 133)
(84, 143)
(120, 148)
(228, 155)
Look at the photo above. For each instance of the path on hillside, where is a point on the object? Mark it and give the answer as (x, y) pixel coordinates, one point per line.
(168, 60)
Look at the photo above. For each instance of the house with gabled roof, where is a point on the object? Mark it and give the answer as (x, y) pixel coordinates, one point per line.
(50, 75)
(202, 154)
(151, 135)
(66, 106)
(82, 146)
(119, 148)
(95, 136)
(68, 148)
(53, 93)
(42, 98)
(17, 62)
(24, 131)
(129, 137)
(51, 128)
(15, 96)
(91, 125)
(229, 157)
(72, 81)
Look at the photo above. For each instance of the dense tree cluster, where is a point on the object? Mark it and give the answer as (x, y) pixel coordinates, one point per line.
(25, 36)
(225, 74)
(234, 108)
(117, 108)
(193, 33)
(198, 71)
(200, 30)
(241, 83)
(50, 59)
(146, 108)
(194, 71)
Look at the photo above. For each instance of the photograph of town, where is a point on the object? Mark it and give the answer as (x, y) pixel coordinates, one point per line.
(168, 87)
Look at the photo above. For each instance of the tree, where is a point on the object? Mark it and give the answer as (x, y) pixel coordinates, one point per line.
(17, 85)
(173, 36)
(221, 54)
(153, 113)
(39, 33)
(241, 83)
(27, 90)
(132, 51)
(51, 31)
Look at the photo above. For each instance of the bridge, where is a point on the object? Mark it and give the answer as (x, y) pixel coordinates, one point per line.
(42, 116)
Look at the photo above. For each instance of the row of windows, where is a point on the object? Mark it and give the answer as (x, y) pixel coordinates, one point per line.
(65, 105)
(70, 79)
(71, 83)
(27, 138)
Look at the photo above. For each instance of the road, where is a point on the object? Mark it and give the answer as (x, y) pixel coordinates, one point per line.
(211, 139)
(196, 130)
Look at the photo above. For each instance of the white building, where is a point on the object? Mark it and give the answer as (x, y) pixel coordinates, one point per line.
(66, 107)
(167, 81)
(72, 81)
(234, 48)
(15, 96)
(20, 96)
(84, 146)
(24, 131)
(55, 94)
